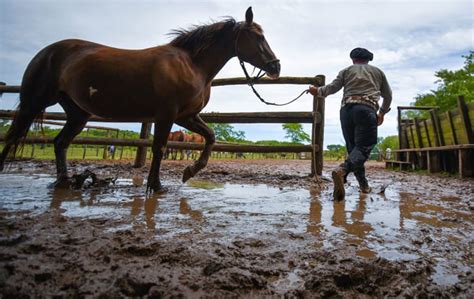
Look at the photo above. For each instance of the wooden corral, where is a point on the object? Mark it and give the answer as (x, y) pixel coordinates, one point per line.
(315, 117)
(440, 142)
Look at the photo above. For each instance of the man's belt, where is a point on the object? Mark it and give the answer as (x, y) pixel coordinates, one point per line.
(365, 100)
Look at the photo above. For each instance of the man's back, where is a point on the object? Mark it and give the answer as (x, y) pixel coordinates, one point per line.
(362, 79)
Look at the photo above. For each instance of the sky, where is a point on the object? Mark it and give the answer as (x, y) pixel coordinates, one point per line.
(411, 40)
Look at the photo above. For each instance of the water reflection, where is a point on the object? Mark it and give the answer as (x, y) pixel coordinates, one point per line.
(185, 209)
(412, 207)
(149, 206)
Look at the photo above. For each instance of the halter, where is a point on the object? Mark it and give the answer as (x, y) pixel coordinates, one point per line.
(251, 80)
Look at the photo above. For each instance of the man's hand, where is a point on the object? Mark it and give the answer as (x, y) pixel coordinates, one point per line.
(313, 90)
(380, 116)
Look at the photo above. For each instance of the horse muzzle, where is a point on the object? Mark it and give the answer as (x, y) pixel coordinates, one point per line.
(273, 69)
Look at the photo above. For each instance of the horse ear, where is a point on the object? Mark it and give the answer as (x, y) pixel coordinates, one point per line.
(249, 15)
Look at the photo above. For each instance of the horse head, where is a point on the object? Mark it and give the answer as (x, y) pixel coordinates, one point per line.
(252, 47)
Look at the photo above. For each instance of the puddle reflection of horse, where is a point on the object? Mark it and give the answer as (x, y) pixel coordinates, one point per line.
(165, 85)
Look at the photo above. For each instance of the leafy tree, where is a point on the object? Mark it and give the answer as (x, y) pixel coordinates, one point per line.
(388, 142)
(335, 151)
(226, 132)
(451, 84)
(295, 133)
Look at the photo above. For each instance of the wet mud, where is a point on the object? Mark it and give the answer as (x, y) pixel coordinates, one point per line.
(239, 229)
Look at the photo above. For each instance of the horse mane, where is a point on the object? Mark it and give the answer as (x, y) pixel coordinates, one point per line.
(199, 38)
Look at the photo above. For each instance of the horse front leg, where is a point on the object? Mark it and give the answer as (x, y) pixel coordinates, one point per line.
(197, 125)
(160, 139)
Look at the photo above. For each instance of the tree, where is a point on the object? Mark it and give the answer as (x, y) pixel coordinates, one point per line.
(451, 84)
(295, 133)
(226, 132)
(388, 142)
(336, 151)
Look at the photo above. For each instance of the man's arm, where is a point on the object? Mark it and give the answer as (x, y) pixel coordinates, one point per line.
(330, 88)
(386, 93)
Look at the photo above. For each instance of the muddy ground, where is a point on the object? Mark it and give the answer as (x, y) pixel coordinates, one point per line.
(242, 228)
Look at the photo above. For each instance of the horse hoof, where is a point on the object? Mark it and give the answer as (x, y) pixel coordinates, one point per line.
(65, 183)
(155, 188)
(187, 174)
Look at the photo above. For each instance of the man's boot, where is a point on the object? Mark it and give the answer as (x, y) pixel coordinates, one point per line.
(338, 179)
(346, 174)
(363, 184)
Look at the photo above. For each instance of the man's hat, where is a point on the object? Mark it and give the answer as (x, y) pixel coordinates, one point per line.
(361, 53)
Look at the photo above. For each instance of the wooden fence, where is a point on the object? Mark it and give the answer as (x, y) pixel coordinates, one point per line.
(440, 129)
(315, 117)
(442, 141)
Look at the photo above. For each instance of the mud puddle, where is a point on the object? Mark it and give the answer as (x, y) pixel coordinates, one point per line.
(219, 239)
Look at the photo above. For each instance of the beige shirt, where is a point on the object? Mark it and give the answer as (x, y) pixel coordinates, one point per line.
(361, 80)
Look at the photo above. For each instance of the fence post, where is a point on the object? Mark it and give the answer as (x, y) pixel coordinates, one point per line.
(140, 158)
(465, 119)
(317, 138)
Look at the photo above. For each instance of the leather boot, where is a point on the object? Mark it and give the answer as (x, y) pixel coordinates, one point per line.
(345, 174)
(338, 180)
(363, 184)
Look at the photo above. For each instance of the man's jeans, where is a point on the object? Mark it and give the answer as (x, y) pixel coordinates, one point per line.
(359, 126)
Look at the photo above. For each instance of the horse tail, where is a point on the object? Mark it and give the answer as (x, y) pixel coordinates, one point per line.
(38, 89)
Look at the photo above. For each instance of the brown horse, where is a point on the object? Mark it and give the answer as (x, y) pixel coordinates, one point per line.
(165, 85)
(178, 136)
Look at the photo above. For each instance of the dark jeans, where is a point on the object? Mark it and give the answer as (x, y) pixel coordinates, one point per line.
(359, 126)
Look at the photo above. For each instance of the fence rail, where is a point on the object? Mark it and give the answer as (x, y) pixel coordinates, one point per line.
(315, 117)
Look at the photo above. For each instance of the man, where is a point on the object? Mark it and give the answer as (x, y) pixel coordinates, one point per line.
(363, 85)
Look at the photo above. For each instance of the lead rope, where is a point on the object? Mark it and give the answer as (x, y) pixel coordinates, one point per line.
(251, 81)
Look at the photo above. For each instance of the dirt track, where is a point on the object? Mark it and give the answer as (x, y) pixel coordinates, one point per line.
(242, 228)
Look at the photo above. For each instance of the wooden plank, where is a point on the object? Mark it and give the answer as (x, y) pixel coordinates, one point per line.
(427, 132)
(318, 81)
(232, 117)
(317, 134)
(405, 133)
(56, 123)
(399, 121)
(451, 126)
(417, 107)
(440, 129)
(437, 148)
(234, 148)
(435, 127)
(465, 119)
(320, 136)
(412, 136)
(314, 138)
(418, 132)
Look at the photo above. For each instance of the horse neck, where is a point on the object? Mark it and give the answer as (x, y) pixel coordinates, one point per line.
(213, 59)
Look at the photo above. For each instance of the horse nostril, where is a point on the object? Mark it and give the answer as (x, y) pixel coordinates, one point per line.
(277, 67)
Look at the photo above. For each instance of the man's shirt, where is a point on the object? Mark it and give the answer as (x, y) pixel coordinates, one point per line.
(361, 80)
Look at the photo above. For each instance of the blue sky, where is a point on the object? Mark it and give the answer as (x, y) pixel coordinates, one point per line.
(411, 40)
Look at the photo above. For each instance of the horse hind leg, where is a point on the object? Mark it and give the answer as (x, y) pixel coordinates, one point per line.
(76, 121)
(196, 124)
